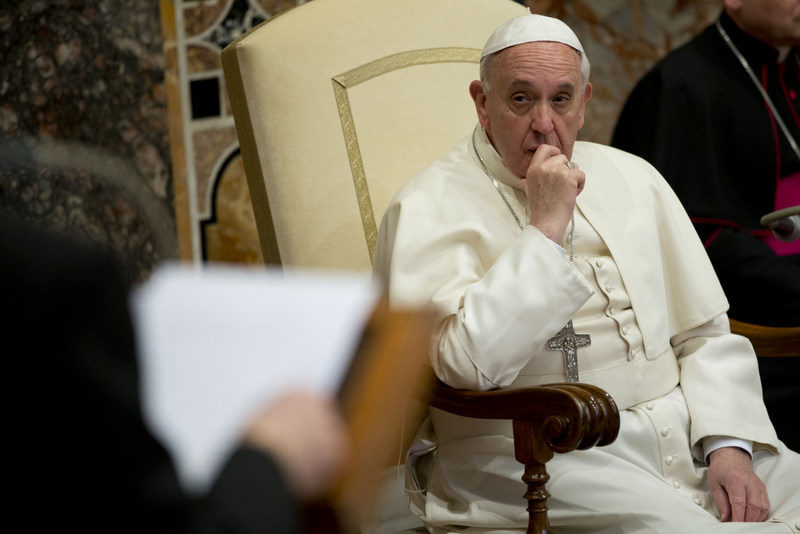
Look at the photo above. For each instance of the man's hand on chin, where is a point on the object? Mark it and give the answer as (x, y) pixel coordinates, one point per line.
(738, 492)
(552, 187)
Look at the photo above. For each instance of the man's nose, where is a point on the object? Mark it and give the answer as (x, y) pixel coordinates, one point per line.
(541, 119)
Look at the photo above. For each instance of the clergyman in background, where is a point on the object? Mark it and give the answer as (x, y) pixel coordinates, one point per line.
(718, 117)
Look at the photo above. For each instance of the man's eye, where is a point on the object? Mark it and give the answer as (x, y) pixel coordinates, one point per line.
(519, 98)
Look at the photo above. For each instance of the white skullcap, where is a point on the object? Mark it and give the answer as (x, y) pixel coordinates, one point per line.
(534, 28)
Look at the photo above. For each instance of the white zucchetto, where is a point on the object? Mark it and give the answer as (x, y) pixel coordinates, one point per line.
(532, 28)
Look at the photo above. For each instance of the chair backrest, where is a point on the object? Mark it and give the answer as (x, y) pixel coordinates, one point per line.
(338, 102)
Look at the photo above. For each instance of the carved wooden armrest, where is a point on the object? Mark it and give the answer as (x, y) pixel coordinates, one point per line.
(546, 419)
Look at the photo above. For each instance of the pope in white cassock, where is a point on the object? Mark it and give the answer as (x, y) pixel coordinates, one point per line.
(520, 229)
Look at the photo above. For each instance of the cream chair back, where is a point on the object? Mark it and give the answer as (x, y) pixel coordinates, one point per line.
(338, 102)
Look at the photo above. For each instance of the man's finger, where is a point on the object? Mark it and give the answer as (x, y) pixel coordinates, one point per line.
(721, 500)
(752, 512)
(543, 153)
(767, 506)
(757, 504)
(581, 181)
(737, 496)
(764, 513)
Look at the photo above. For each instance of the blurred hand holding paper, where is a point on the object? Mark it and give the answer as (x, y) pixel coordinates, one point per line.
(219, 343)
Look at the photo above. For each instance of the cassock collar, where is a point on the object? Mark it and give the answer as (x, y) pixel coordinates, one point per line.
(492, 159)
(757, 52)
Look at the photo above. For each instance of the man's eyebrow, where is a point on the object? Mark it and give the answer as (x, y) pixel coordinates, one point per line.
(521, 82)
(566, 86)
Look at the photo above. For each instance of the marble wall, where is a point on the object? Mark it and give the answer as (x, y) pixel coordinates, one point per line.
(82, 87)
(214, 214)
(124, 105)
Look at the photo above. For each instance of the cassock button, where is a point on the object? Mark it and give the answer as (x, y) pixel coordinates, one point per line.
(609, 288)
(666, 431)
(599, 263)
(698, 501)
(612, 311)
(669, 461)
(650, 405)
(676, 485)
(624, 330)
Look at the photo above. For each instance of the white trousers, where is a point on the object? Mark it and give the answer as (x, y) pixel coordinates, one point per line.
(647, 481)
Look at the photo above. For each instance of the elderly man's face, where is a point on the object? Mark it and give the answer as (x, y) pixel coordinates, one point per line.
(535, 97)
(776, 22)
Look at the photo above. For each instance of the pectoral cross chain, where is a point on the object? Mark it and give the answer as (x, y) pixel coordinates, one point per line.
(568, 342)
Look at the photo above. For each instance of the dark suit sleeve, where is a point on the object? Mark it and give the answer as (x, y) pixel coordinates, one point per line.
(249, 496)
(765, 287)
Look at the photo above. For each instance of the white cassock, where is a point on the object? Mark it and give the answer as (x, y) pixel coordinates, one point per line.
(641, 285)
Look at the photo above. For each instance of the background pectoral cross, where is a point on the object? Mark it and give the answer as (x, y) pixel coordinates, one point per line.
(568, 342)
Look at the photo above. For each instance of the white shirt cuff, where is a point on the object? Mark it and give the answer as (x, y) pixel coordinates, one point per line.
(712, 443)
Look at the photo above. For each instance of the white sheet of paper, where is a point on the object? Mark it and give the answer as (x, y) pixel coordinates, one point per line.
(218, 343)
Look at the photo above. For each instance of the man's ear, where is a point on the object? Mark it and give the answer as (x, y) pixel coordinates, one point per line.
(479, 97)
(587, 93)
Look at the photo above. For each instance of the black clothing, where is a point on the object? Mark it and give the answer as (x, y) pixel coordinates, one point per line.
(700, 120)
(82, 457)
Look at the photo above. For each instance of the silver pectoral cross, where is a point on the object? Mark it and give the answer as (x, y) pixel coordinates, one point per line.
(568, 342)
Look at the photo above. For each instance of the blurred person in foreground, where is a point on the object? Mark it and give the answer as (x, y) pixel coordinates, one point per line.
(84, 458)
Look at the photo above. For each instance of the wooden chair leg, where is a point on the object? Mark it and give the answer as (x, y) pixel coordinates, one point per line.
(546, 419)
(536, 477)
(532, 450)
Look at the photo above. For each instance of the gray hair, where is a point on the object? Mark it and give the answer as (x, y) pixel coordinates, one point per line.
(488, 62)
